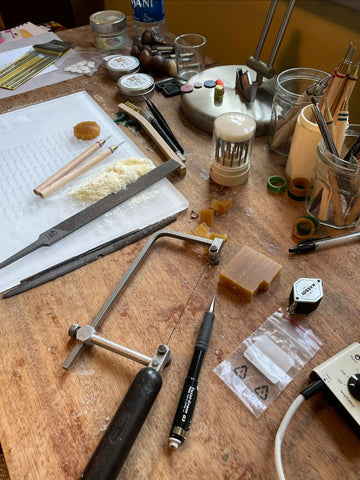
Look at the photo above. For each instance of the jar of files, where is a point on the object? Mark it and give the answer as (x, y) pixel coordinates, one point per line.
(293, 90)
(334, 193)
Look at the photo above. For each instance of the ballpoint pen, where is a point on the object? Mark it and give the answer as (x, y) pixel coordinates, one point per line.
(185, 410)
(318, 243)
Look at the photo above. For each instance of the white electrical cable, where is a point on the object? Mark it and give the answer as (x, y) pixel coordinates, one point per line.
(281, 433)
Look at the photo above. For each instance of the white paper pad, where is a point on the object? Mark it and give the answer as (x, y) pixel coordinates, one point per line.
(35, 142)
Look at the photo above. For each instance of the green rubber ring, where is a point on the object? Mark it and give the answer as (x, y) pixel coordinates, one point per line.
(276, 184)
(303, 229)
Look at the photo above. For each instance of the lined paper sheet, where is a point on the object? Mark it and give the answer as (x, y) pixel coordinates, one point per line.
(36, 142)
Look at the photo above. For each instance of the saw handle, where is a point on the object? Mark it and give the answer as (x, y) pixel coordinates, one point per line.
(115, 445)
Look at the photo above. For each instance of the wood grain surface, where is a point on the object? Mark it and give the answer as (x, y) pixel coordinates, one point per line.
(51, 419)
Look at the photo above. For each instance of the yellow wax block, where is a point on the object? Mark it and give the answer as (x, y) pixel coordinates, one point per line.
(218, 235)
(249, 272)
(202, 231)
(207, 216)
(221, 207)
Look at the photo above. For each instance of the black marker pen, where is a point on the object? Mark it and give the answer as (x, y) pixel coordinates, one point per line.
(182, 421)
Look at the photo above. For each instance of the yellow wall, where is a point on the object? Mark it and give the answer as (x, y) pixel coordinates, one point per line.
(317, 36)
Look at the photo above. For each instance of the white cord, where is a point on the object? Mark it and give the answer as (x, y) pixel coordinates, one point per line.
(281, 433)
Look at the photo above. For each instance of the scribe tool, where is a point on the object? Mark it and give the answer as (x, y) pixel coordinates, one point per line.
(90, 213)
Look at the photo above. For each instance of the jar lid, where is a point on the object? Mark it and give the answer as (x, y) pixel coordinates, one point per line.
(135, 84)
(119, 65)
(107, 21)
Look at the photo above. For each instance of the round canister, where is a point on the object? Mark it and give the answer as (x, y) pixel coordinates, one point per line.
(136, 85)
(119, 65)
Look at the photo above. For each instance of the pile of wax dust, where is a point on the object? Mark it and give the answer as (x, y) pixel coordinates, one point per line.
(114, 178)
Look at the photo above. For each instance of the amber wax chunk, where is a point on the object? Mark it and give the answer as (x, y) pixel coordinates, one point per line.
(207, 216)
(86, 130)
(249, 272)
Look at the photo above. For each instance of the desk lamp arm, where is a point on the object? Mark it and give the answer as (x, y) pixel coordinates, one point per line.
(246, 87)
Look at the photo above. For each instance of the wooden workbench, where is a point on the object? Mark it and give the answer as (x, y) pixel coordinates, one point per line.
(51, 420)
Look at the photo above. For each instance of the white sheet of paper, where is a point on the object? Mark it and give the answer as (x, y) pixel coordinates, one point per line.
(36, 142)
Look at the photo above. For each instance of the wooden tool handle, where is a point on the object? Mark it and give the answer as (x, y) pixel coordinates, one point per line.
(154, 135)
(75, 173)
(68, 167)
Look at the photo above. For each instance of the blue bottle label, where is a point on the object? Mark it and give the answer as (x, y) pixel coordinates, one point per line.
(148, 11)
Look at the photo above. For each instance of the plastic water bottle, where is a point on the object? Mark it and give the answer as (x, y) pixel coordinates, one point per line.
(149, 15)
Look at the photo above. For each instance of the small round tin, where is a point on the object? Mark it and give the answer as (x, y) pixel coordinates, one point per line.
(136, 85)
(109, 29)
(119, 65)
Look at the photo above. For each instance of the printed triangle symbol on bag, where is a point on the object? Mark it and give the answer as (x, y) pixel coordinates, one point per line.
(241, 371)
(262, 392)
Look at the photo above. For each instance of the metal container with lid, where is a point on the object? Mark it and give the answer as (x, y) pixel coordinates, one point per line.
(109, 29)
(119, 65)
(135, 86)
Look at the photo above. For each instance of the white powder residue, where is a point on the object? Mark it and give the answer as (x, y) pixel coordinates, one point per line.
(112, 179)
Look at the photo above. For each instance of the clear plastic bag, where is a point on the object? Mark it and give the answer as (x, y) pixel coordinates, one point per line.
(265, 363)
(87, 58)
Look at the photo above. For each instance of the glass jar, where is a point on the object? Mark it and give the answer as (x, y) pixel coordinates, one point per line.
(333, 196)
(291, 95)
(109, 29)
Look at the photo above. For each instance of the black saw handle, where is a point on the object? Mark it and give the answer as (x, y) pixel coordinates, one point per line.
(115, 445)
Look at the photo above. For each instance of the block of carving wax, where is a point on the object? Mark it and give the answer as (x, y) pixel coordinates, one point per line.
(249, 272)
(207, 216)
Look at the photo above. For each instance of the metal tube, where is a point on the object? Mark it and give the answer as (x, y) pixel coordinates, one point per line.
(281, 32)
(265, 29)
(117, 348)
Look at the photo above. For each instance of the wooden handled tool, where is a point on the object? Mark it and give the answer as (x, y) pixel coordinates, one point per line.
(164, 147)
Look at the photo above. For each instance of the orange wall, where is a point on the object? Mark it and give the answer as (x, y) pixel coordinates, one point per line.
(317, 36)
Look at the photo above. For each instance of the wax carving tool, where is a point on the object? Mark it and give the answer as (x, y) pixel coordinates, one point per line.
(90, 213)
(158, 128)
(164, 147)
(115, 445)
(69, 166)
(160, 118)
(89, 256)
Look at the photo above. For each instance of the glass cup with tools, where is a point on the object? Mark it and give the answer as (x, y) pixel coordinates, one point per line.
(293, 90)
(334, 193)
(232, 140)
(190, 55)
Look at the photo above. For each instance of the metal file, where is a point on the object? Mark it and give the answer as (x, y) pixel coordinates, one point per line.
(90, 213)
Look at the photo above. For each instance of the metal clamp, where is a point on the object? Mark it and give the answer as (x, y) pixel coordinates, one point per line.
(87, 335)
